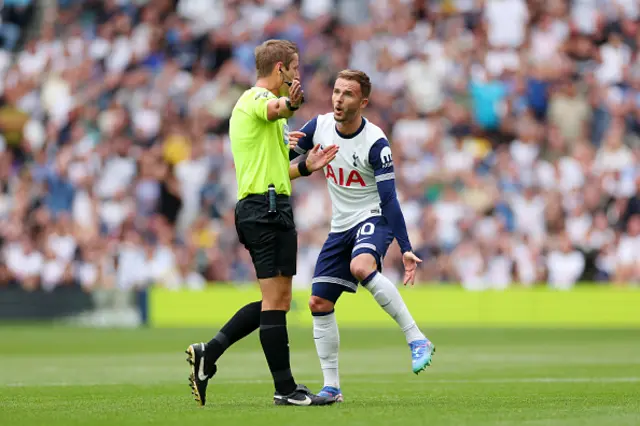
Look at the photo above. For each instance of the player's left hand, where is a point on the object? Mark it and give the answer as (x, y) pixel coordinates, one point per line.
(410, 261)
(318, 158)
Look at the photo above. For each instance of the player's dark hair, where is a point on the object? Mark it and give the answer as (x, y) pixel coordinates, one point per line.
(360, 77)
(269, 53)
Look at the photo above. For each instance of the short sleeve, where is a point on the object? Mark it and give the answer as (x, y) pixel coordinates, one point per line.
(257, 104)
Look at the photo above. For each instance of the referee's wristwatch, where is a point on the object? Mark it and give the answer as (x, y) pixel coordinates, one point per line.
(289, 106)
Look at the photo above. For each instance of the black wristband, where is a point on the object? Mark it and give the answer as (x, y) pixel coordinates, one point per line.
(289, 106)
(302, 168)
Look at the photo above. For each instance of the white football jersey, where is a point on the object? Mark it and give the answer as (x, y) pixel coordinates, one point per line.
(351, 177)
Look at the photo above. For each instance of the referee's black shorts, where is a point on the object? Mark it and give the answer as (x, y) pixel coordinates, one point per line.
(271, 238)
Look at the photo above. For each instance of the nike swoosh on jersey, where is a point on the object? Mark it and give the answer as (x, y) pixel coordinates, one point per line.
(362, 239)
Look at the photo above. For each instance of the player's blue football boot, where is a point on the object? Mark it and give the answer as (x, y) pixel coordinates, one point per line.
(421, 353)
(331, 392)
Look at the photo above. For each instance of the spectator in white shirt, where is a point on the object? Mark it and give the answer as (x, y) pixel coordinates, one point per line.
(118, 171)
(526, 258)
(32, 61)
(506, 22)
(614, 155)
(526, 149)
(529, 213)
(565, 265)
(87, 271)
(545, 41)
(449, 211)
(25, 263)
(469, 266)
(585, 15)
(184, 273)
(131, 256)
(192, 175)
(498, 274)
(615, 58)
(425, 79)
(61, 241)
(600, 234)
(55, 271)
(578, 225)
(628, 254)
(203, 15)
(458, 160)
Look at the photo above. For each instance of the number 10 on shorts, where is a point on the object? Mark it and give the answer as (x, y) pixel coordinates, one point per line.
(365, 230)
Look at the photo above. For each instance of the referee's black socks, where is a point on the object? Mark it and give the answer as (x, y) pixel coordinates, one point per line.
(243, 323)
(275, 344)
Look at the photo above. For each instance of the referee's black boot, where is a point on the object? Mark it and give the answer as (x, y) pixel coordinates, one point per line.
(302, 396)
(200, 372)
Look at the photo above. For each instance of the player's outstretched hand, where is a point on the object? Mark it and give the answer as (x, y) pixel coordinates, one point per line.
(294, 138)
(410, 261)
(318, 158)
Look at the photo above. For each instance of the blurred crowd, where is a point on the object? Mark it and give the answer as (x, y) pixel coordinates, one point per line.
(514, 126)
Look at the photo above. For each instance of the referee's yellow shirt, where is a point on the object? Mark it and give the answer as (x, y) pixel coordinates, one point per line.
(260, 147)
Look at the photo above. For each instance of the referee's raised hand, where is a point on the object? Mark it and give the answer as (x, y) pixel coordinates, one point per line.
(295, 93)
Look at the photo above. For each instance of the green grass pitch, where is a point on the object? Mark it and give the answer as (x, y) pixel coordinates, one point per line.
(55, 376)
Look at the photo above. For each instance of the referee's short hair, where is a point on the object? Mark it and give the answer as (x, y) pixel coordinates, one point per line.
(359, 77)
(269, 53)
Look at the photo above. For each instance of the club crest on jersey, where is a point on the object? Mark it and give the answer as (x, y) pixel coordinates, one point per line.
(385, 157)
(352, 179)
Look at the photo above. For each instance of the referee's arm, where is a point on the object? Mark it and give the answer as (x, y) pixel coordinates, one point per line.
(277, 109)
(285, 107)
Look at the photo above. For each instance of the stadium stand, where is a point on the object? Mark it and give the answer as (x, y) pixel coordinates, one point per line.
(514, 126)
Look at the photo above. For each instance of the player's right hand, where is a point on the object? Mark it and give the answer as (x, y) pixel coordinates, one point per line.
(295, 93)
(410, 261)
(294, 138)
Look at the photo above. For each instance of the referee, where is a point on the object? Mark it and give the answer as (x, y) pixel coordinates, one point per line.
(264, 220)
